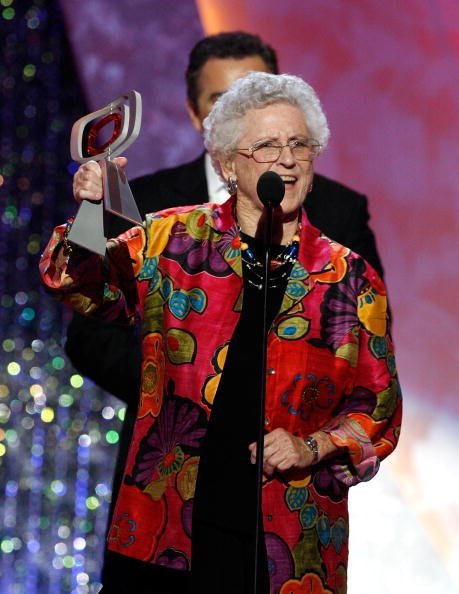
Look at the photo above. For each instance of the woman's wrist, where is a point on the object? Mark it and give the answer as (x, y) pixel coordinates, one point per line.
(319, 442)
(311, 444)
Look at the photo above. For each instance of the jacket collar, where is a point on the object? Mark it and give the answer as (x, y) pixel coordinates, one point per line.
(314, 252)
(314, 257)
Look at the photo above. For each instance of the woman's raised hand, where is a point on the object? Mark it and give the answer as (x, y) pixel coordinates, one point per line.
(87, 181)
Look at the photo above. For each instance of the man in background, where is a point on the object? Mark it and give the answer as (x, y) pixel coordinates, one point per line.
(111, 355)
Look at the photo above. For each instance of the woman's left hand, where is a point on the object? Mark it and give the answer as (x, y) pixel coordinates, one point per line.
(282, 451)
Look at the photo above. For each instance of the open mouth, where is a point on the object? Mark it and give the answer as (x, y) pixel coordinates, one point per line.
(288, 179)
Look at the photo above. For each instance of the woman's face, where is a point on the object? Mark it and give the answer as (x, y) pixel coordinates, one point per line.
(280, 123)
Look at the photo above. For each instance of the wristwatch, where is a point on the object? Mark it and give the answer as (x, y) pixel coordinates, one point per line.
(312, 444)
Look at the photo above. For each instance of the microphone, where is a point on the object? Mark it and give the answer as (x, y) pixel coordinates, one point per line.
(270, 189)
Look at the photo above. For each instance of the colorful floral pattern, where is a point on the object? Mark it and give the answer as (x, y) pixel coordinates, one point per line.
(153, 366)
(316, 393)
(327, 485)
(125, 534)
(310, 583)
(211, 382)
(339, 309)
(173, 559)
(332, 367)
(280, 561)
(176, 434)
(190, 246)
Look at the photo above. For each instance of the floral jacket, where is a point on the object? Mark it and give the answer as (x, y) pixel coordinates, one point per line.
(330, 366)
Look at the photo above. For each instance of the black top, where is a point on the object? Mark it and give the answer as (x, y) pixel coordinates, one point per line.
(226, 486)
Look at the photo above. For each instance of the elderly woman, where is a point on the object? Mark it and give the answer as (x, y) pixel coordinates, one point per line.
(333, 409)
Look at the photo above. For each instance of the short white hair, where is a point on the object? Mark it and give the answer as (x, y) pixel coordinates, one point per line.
(222, 129)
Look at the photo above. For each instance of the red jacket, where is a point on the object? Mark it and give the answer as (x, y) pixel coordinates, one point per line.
(330, 367)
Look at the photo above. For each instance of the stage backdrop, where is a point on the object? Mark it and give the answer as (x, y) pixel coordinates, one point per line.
(387, 76)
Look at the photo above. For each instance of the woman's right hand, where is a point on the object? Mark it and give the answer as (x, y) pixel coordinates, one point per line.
(87, 181)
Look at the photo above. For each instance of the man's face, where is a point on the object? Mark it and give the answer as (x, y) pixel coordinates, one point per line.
(215, 78)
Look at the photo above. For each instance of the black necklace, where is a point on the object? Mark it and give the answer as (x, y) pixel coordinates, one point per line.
(280, 266)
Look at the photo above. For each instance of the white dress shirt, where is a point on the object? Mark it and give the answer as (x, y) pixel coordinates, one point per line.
(218, 192)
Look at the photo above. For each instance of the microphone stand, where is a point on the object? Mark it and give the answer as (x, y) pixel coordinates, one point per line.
(261, 411)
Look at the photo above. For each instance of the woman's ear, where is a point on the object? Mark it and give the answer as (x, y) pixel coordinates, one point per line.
(228, 168)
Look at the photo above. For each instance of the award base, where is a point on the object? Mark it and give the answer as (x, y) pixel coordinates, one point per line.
(88, 227)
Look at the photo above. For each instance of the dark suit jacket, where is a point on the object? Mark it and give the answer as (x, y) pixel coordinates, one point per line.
(110, 355)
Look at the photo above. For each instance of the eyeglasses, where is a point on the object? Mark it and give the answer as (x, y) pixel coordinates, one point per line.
(268, 151)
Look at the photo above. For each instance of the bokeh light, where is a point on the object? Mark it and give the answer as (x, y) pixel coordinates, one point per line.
(55, 470)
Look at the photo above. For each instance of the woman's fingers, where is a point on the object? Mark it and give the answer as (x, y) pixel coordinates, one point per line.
(87, 182)
(281, 451)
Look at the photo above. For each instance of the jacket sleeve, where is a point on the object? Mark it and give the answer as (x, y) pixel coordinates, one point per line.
(366, 425)
(118, 370)
(92, 285)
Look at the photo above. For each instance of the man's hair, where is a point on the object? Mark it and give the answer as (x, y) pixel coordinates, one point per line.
(234, 44)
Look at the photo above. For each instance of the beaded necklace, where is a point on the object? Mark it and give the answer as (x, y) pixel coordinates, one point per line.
(280, 266)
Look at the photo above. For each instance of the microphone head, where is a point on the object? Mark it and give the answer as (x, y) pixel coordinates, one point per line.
(270, 189)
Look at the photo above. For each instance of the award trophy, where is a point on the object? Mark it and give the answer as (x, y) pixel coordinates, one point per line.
(122, 118)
